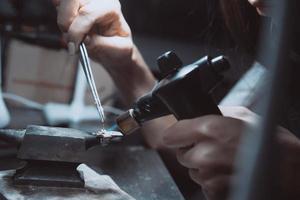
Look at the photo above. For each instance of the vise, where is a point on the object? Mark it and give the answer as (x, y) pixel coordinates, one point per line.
(52, 154)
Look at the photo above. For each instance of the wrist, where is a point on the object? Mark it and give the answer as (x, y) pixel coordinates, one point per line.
(134, 79)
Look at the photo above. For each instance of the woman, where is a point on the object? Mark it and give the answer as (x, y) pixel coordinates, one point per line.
(214, 139)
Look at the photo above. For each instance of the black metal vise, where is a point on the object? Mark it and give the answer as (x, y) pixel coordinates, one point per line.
(52, 154)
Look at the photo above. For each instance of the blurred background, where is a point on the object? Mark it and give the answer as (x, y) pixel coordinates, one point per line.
(36, 66)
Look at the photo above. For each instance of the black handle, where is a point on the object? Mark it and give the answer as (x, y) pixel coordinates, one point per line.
(188, 103)
(186, 90)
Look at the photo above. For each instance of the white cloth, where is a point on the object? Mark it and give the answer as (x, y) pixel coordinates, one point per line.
(97, 187)
(101, 184)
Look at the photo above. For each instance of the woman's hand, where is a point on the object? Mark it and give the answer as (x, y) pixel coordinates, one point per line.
(207, 147)
(101, 25)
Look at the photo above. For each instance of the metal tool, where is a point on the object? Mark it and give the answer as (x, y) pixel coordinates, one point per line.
(103, 134)
(49, 150)
(84, 59)
(184, 91)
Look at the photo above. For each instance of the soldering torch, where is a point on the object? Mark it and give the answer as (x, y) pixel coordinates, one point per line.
(184, 91)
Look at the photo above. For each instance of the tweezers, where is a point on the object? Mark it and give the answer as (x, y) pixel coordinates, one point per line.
(104, 135)
(85, 62)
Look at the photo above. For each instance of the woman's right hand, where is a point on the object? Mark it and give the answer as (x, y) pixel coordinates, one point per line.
(101, 25)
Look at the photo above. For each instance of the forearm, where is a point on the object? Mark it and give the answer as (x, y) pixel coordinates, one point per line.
(135, 80)
(139, 82)
(143, 83)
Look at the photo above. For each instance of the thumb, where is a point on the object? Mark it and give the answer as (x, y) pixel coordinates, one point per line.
(110, 51)
(102, 43)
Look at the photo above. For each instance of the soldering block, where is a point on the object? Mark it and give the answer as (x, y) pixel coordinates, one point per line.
(55, 144)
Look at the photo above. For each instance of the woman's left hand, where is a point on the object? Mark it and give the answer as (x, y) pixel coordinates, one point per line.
(207, 147)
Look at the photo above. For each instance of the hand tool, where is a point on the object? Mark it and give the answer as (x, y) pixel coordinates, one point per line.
(184, 91)
(49, 150)
(84, 59)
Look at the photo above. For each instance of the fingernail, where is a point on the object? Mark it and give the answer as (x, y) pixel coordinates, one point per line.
(71, 48)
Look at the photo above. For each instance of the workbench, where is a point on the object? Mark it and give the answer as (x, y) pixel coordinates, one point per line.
(137, 170)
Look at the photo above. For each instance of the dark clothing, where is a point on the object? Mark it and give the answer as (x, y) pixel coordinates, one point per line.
(292, 115)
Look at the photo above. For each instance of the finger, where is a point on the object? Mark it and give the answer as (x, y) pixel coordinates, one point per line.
(193, 157)
(106, 49)
(67, 10)
(216, 187)
(83, 24)
(103, 21)
(193, 173)
(210, 127)
(188, 132)
(207, 158)
(98, 43)
(212, 185)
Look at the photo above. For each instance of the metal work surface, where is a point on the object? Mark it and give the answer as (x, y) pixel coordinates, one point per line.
(138, 171)
(53, 174)
(11, 192)
(62, 144)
